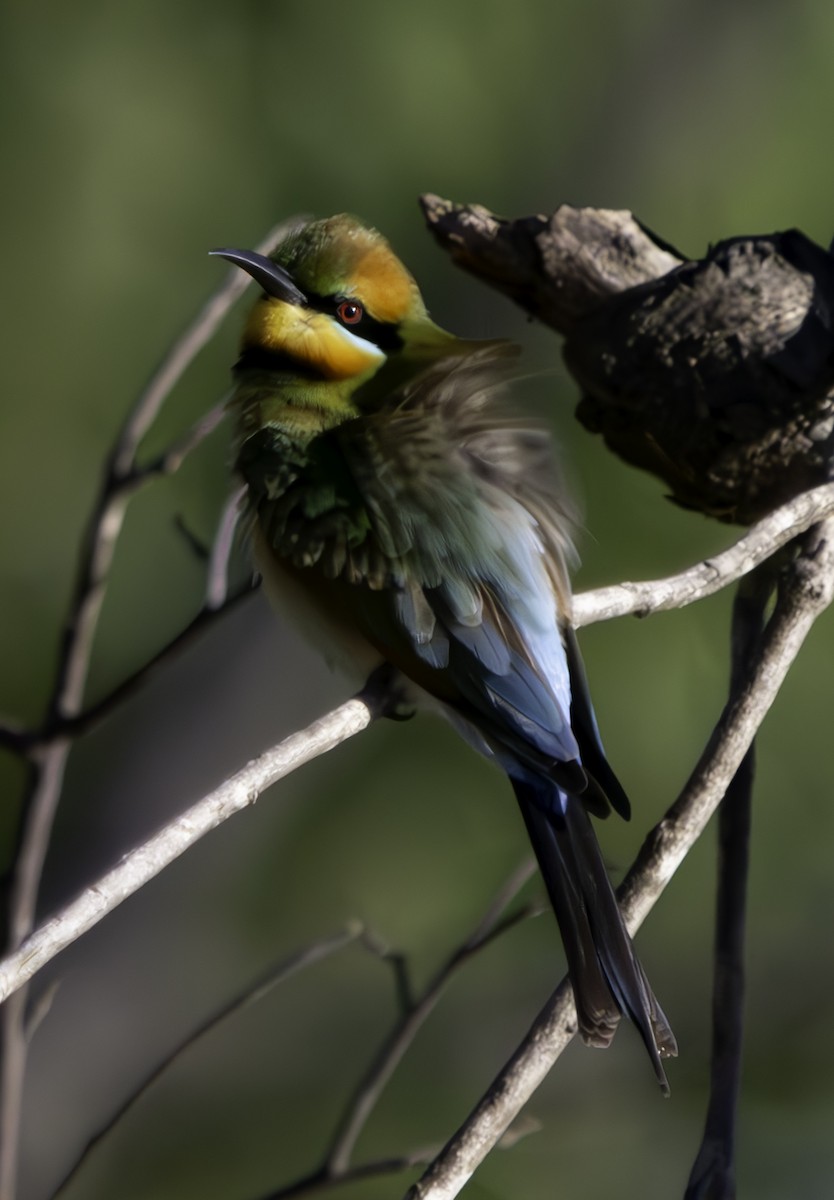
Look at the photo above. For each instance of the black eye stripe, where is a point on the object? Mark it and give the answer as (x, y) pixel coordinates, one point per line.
(380, 333)
(257, 358)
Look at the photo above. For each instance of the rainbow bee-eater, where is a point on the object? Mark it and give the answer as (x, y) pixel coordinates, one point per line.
(407, 518)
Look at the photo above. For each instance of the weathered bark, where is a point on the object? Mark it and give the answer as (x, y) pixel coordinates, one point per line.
(717, 375)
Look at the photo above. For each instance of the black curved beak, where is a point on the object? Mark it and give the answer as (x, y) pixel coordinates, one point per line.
(274, 280)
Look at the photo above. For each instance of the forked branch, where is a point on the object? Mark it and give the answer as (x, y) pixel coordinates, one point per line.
(246, 785)
(807, 594)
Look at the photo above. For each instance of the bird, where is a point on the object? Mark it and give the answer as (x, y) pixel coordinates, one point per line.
(407, 515)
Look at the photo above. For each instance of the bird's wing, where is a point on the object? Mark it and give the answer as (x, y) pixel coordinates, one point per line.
(441, 526)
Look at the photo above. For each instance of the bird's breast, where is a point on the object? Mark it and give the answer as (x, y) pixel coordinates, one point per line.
(313, 604)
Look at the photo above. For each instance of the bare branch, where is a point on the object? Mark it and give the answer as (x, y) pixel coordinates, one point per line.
(48, 762)
(320, 1181)
(337, 1168)
(390, 1054)
(713, 1174)
(641, 598)
(251, 994)
(147, 861)
(48, 748)
(91, 716)
(399, 965)
(811, 591)
(710, 576)
(186, 348)
(717, 375)
(141, 865)
(172, 458)
(602, 604)
(503, 898)
(559, 268)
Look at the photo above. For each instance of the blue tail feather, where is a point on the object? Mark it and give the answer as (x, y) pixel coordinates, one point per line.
(607, 977)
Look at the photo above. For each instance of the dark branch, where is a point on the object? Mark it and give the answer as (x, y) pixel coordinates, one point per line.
(394, 1046)
(713, 1172)
(337, 1167)
(321, 1181)
(251, 994)
(717, 374)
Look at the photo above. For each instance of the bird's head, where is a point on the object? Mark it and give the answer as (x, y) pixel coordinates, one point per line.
(336, 303)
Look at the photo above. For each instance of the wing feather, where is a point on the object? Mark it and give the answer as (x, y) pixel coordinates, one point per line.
(451, 514)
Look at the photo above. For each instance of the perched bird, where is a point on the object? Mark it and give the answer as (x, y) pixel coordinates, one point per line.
(408, 519)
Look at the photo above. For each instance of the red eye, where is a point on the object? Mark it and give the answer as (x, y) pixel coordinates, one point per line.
(349, 312)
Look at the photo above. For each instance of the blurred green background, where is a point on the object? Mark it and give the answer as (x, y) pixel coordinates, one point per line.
(135, 137)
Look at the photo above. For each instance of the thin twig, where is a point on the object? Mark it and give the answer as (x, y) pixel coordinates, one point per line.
(94, 714)
(385, 1062)
(798, 607)
(48, 763)
(500, 902)
(251, 994)
(330, 1174)
(172, 458)
(29, 741)
(320, 1181)
(188, 345)
(337, 1168)
(399, 965)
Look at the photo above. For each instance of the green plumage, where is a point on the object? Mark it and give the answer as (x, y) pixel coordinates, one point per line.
(395, 494)
(409, 496)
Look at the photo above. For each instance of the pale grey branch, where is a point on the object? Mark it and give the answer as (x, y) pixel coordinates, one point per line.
(142, 864)
(48, 762)
(705, 578)
(810, 592)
